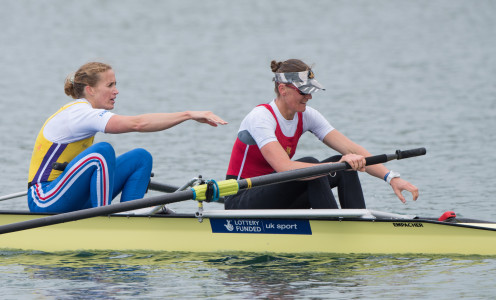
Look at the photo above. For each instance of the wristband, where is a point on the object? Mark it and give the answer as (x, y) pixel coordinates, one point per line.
(385, 176)
(390, 175)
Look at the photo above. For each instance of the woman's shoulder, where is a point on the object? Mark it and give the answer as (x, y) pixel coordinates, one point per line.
(78, 104)
(75, 106)
(260, 110)
(311, 113)
(310, 110)
(257, 115)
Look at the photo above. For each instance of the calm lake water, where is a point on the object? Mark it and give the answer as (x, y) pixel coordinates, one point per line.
(399, 75)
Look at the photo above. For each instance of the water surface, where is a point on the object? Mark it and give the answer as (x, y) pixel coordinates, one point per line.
(398, 74)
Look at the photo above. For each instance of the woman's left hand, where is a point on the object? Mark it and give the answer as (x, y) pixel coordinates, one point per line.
(400, 185)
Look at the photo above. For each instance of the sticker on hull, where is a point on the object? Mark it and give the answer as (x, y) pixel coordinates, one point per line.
(407, 224)
(267, 226)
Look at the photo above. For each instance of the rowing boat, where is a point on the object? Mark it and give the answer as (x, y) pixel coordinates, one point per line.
(272, 231)
(138, 225)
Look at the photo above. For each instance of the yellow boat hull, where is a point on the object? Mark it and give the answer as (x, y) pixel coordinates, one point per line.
(186, 233)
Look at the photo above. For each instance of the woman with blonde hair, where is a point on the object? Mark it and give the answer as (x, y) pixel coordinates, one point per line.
(68, 172)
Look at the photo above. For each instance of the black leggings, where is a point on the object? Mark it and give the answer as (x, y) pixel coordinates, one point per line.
(314, 193)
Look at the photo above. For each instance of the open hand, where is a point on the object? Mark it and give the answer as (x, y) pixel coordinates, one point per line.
(207, 117)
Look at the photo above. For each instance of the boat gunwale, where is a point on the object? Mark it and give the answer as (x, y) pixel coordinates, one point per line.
(458, 222)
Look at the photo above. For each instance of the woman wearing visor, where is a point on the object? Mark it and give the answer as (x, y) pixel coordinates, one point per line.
(267, 140)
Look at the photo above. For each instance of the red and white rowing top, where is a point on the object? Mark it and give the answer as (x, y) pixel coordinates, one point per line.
(265, 124)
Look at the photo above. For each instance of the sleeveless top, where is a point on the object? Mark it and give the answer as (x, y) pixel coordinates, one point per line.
(247, 160)
(45, 152)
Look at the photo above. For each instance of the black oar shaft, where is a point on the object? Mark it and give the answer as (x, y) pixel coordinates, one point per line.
(162, 187)
(290, 175)
(323, 169)
(98, 211)
(302, 173)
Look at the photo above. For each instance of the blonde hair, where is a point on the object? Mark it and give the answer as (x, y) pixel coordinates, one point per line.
(87, 75)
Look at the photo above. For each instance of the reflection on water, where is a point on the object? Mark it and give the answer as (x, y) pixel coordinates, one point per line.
(110, 275)
(77, 276)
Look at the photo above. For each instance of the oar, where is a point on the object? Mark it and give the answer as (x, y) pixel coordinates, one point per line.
(155, 186)
(158, 208)
(13, 195)
(226, 187)
(324, 169)
(162, 187)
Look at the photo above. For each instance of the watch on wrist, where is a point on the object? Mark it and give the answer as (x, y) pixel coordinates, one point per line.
(390, 175)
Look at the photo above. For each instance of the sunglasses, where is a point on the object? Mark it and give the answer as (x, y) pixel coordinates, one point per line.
(296, 89)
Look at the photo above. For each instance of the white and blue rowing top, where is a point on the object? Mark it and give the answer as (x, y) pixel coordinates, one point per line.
(63, 136)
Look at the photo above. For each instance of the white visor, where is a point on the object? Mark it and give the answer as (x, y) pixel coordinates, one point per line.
(305, 81)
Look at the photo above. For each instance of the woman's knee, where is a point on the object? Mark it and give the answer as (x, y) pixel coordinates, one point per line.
(144, 155)
(139, 156)
(334, 158)
(103, 148)
(308, 159)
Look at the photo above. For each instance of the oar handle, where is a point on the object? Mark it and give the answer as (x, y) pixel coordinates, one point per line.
(399, 154)
(410, 153)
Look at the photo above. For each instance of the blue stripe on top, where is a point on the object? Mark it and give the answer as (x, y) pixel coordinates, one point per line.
(46, 165)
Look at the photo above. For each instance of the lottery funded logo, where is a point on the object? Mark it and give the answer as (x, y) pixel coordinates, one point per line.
(261, 226)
